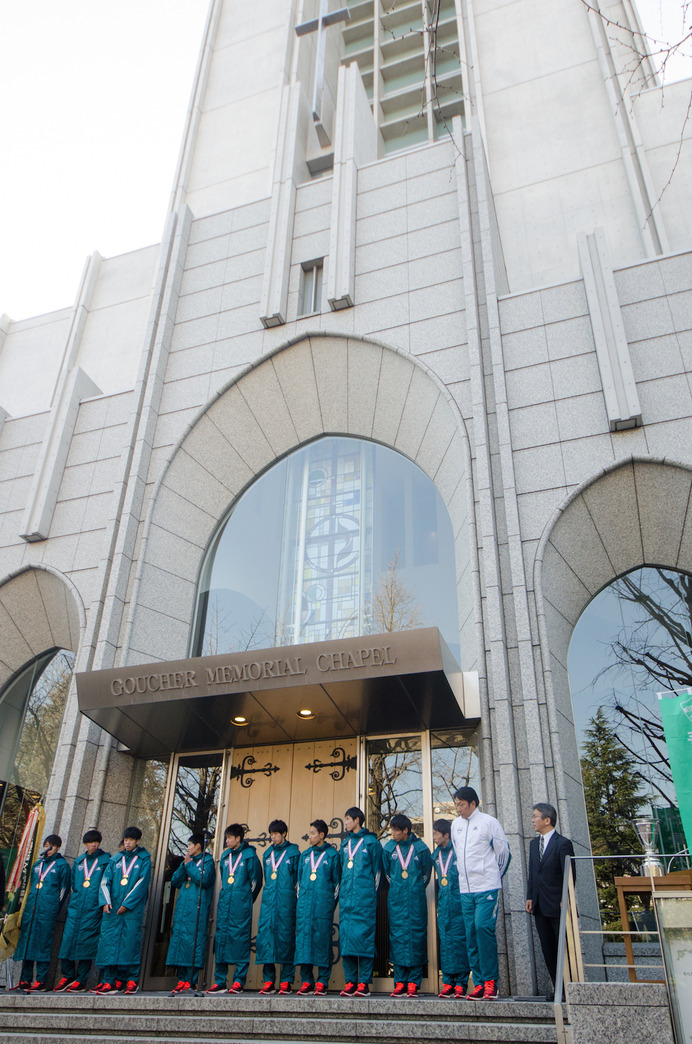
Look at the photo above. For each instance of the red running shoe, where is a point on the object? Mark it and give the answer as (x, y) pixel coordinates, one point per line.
(459, 990)
(490, 990)
(362, 990)
(268, 988)
(77, 987)
(399, 990)
(320, 988)
(131, 987)
(236, 987)
(38, 987)
(285, 987)
(217, 989)
(62, 985)
(348, 990)
(477, 992)
(412, 990)
(182, 987)
(446, 991)
(304, 989)
(107, 988)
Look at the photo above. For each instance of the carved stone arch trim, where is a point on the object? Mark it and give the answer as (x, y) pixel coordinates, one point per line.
(318, 385)
(40, 608)
(637, 512)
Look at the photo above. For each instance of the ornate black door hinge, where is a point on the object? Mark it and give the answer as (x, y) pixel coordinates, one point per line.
(240, 771)
(348, 763)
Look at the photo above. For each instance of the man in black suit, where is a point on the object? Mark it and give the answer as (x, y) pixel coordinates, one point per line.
(547, 854)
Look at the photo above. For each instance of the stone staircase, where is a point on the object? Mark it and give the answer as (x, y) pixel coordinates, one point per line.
(250, 1019)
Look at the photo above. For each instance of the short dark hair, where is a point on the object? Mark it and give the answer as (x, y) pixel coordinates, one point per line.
(92, 835)
(547, 811)
(356, 813)
(234, 829)
(320, 826)
(53, 839)
(197, 839)
(400, 822)
(443, 825)
(467, 794)
(277, 826)
(133, 832)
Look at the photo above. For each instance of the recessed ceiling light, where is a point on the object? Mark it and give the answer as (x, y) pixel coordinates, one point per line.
(305, 713)
(240, 720)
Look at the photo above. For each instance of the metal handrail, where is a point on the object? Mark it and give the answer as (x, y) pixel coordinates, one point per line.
(569, 933)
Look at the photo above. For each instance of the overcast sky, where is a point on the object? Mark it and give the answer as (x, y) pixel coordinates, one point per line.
(93, 98)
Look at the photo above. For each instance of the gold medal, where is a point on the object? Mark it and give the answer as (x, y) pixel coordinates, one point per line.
(444, 880)
(40, 884)
(404, 873)
(313, 877)
(85, 884)
(231, 878)
(187, 884)
(350, 864)
(123, 881)
(274, 876)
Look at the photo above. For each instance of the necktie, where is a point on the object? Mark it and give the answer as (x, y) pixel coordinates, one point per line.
(541, 846)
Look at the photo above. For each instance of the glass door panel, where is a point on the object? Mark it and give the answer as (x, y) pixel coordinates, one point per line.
(192, 805)
(394, 785)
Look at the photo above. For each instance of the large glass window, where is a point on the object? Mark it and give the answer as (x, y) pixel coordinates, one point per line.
(32, 705)
(341, 538)
(632, 643)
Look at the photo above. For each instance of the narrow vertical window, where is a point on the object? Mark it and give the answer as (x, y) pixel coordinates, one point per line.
(311, 288)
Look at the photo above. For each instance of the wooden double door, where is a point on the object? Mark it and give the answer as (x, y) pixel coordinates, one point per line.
(297, 783)
(249, 785)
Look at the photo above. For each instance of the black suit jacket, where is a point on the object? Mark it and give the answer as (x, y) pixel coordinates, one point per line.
(545, 875)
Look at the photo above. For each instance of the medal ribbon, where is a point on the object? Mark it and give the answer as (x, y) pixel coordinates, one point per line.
(85, 867)
(126, 869)
(272, 860)
(348, 848)
(232, 867)
(42, 875)
(404, 865)
(314, 864)
(444, 867)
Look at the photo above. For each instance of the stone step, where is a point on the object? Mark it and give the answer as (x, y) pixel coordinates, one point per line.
(249, 1019)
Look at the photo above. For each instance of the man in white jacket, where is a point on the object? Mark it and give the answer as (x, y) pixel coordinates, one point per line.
(482, 852)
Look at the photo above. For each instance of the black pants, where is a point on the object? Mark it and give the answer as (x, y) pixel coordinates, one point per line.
(548, 928)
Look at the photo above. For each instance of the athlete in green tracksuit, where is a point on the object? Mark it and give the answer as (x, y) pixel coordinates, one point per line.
(408, 867)
(276, 931)
(80, 938)
(361, 873)
(49, 884)
(318, 893)
(454, 961)
(124, 890)
(195, 878)
(241, 882)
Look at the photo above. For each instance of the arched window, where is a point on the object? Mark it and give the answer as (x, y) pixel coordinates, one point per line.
(32, 705)
(632, 643)
(342, 537)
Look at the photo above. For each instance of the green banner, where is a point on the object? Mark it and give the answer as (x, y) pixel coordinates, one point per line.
(676, 713)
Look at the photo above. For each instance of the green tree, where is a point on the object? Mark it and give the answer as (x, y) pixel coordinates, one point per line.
(611, 791)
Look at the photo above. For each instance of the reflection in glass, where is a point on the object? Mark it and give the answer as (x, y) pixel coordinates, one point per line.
(145, 806)
(455, 763)
(633, 641)
(195, 806)
(32, 706)
(341, 538)
(395, 783)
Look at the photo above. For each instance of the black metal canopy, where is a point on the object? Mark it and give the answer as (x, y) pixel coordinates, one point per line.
(405, 681)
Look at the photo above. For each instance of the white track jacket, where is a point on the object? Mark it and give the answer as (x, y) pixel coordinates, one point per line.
(482, 852)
